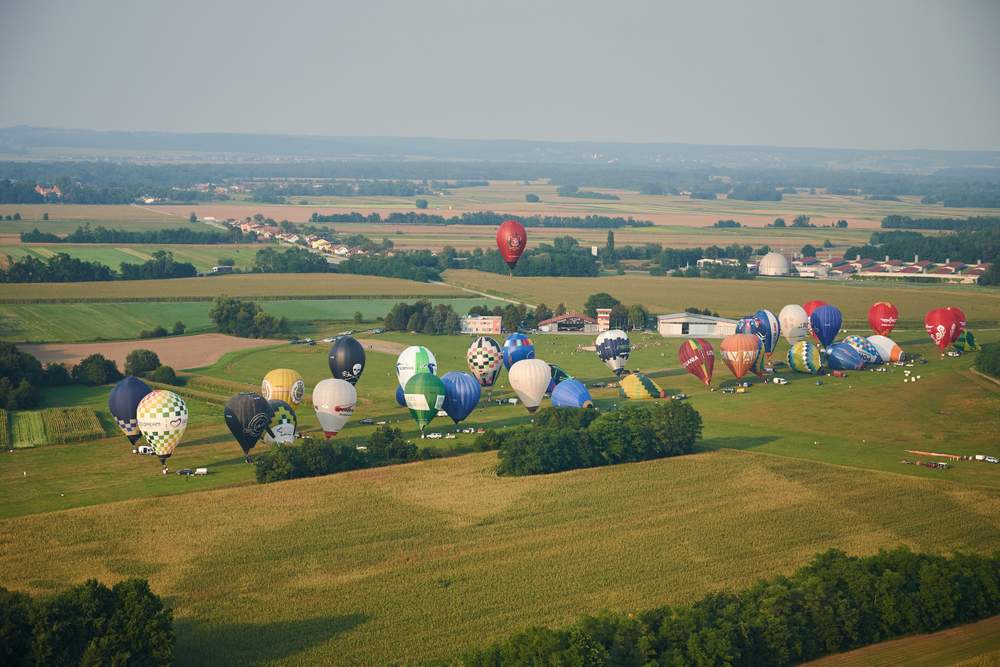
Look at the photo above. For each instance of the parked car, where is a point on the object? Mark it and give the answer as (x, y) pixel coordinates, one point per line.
(433, 436)
(779, 381)
(145, 449)
(678, 397)
(185, 471)
(377, 331)
(380, 422)
(367, 421)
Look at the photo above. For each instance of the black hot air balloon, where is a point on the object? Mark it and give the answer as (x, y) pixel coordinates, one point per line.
(347, 359)
(123, 401)
(248, 416)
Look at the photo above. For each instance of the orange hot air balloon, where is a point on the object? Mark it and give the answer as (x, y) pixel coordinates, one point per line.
(882, 317)
(739, 351)
(511, 240)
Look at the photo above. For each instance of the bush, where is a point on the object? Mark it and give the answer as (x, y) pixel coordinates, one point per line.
(141, 361)
(421, 203)
(164, 375)
(532, 198)
(20, 375)
(96, 370)
(988, 359)
(835, 603)
(89, 624)
(57, 375)
(156, 332)
(179, 328)
(245, 318)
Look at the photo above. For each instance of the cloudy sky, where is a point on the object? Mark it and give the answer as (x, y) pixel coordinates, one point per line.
(866, 74)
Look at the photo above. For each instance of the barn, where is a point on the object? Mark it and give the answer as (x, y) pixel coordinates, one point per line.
(694, 325)
(574, 322)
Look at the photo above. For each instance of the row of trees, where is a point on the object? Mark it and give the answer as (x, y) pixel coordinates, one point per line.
(622, 316)
(62, 268)
(293, 260)
(950, 224)
(570, 190)
(486, 218)
(423, 317)
(22, 376)
(99, 234)
(835, 603)
(422, 265)
(245, 318)
(89, 624)
(568, 438)
(562, 257)
(967, 245)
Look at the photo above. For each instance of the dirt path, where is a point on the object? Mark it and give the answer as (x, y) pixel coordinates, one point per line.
(178, 352)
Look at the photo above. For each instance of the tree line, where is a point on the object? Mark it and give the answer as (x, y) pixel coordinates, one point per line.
(62, 268)
(966, 245)
(950, 224)
(419, 265)
(179, 235)
(834, 603)
(423, 317)
(22, 376)
(569, 438)
(486, 218)
(570, 190)
(245, 318)
(562, 257)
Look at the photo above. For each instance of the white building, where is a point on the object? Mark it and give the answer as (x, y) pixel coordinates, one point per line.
(482, 325)
(694, 326)
(774, 264)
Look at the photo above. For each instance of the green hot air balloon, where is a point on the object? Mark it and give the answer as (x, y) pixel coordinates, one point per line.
(424, 394)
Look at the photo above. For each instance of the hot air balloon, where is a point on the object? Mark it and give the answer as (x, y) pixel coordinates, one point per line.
(571, 394)
(333, 400)
(768, 330)
(805, 357)
(511, 241)
(794, 323)
(739, 351)
(485, 360)
(162, 417)
(613, 348)
(825, 322)
(748, 325)
(844, 357)
(283, 384)
(888, 351)
(529, 378)
(966, 341)
(346, 359)
(698, 358)
(400, 396)
(517, 347)
(759, 365)
(882, 317)
(558, 375)
(810, 306)
(247, 415)
(868, 351)
(461, 395)
(425, 395)
(414, 359)
(638, 387)
(959, 317)
(942, 326)
(122, 403)
(283, 424)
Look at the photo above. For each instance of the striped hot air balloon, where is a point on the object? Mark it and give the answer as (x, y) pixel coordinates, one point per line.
(698, 358)
(638, 387)
(739, 352)
(805, 357)
(888, 350)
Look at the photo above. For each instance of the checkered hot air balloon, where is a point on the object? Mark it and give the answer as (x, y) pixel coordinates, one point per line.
(485, 359)
(162, 417)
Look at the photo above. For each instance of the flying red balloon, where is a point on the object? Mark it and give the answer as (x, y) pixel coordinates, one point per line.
(882, 317)
(511, 239)
(698, 358)
(942, 326)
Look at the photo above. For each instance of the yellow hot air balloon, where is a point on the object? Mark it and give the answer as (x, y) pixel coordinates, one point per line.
(283, 384)
(639, 387)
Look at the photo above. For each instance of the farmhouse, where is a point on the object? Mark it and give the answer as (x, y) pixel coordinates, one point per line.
(569, 322)
(481, 325)
(694, 325)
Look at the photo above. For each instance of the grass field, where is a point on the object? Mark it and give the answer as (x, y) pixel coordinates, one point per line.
(27, 429)
(204, 257)
(64, 218)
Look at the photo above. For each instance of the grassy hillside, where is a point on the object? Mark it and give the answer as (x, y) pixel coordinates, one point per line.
(204, 257)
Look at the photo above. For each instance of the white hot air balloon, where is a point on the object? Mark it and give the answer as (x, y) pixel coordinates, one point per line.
(529, 378)
(334, 400)
(414, 359)
(794, 323)
(888, 350)
(613, 348)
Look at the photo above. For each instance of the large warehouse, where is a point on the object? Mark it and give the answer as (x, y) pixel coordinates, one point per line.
(569, 322)
(694, 325)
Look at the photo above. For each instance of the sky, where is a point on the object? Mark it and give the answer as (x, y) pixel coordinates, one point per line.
(848, 74)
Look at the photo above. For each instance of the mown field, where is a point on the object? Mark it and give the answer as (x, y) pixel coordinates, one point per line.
(733, 298)
(64, 218)
(204, 257)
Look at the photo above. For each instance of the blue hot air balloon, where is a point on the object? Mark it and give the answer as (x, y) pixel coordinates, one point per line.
(400, 396)
(516, 348)
(844, 357)
(571, 394)
(768, 330)
(122, 403)
(825, 322)
(461, 396)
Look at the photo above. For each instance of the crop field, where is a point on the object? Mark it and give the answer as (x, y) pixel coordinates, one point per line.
(64, 218)
(204, 257)
(4, 429)
(733, 298)
(27, 429)
(64, 425)
(281, 285)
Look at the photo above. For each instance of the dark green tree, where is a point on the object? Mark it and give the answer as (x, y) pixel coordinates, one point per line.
(141, 361)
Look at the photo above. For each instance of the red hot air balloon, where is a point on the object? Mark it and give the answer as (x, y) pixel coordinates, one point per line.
(960, 317)
(511, 239)
(942, 326)
(698, 358)
(882, 317)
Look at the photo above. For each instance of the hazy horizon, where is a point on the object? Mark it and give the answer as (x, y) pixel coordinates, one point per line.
(852, 76)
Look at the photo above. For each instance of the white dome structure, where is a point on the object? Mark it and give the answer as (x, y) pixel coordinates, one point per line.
(774, 264)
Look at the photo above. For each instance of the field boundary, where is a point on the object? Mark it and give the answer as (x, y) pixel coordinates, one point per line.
(263, 297)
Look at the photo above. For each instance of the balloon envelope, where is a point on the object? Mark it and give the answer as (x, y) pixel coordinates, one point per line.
(844, 357)
(511, 241)
(414, 359)
(425, 395)
(698, 358)
(283, 384)
(571, 394)
(739, 352)
(333, 400)
(794, 323)
(122, 403)
(941, 325)
(461, 395)
(558, 375)
(966, 341)
(162, 417)
(247, 415)
(637, 386)
(346, 359)
(869, 353)
(882, 317)
(810, 306)
(805, 357)
(613, 348)
(888, 351)
(768, 330)
(825, 322)
(516, 348)
(283, 424)
(959, 318)
(400, 396)
(529, 378)
(485, 360)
